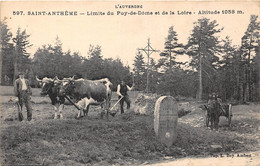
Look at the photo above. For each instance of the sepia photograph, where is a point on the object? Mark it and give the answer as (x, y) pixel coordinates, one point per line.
(131, 83)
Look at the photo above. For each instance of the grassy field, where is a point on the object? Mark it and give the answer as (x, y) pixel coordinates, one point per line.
(126, 139)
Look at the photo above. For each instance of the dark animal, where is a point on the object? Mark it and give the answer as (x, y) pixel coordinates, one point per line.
(214, 111)
(51, 87)
(88, 92)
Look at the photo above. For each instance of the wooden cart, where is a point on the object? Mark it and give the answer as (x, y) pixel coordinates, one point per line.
(226, 111)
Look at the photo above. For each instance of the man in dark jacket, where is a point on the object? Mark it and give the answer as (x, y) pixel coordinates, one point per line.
(122, 89)
(22, 90)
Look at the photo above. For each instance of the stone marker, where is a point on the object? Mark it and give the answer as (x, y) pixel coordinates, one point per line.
(165, 120)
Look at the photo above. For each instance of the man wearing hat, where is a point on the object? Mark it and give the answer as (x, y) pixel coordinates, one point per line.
(122, 89)
(22, 90)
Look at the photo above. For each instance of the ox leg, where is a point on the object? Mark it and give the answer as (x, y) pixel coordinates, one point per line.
(102, 111)
(107, 108)
(216, 122)
(86, 111)
(82, 104)
(61, 107)
(107, 112)
(212, 121)
(55, 113)
(80, 113)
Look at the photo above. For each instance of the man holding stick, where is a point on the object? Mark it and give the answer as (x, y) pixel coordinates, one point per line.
(122, 89)
(22, 90)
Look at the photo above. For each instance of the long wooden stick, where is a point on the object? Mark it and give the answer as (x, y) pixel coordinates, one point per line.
(116, 103)
(19, 107)
(72, 102)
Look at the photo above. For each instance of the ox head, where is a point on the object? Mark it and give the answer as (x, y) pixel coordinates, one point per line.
(67, 85)
(57, 82)
(213, 96)
(48, 84)
(45, 84)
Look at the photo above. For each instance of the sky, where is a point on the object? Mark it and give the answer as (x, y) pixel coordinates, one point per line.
(120, 36)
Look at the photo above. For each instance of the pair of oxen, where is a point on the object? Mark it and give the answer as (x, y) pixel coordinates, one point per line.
(82, 91)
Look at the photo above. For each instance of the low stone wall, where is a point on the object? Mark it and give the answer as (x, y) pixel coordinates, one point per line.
(145, 104)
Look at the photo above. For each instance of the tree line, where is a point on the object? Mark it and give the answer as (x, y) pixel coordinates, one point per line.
(50, 61)
(215, 64)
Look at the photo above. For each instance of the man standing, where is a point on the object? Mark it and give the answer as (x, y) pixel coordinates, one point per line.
(122, 89)
(22, 90)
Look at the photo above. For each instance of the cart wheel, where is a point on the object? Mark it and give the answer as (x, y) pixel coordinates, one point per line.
(229, 114)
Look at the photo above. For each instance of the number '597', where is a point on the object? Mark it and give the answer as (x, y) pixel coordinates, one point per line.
(17, 12)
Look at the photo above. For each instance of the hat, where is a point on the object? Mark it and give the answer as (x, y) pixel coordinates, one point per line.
(20, 73)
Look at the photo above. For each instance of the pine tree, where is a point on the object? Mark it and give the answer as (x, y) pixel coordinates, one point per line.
(172, 49)
(248, 48)
(257, 66)
(21, 43)
(94, 63)
(139, 64)
(57, 58)
(228, 71)
(51, 61)
(139, 71)
(6, 53)
(203, 48)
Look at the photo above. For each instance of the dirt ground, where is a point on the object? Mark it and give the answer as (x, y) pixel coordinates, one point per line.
(245, 124)
(126, 139)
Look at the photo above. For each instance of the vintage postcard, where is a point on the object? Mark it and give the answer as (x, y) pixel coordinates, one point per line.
(178, 82)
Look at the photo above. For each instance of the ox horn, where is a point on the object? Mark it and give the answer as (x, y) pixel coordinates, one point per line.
(50, 79)
(38, 79)
(56, 78)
